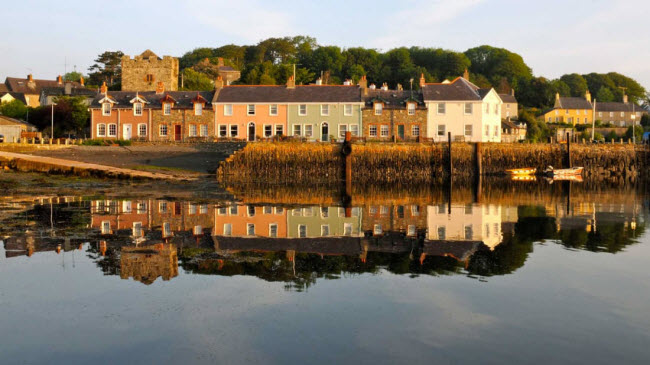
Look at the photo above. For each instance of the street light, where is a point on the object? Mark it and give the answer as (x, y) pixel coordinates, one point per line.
(52, 131)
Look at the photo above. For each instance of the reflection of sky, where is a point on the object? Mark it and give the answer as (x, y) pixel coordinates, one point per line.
(561, 306)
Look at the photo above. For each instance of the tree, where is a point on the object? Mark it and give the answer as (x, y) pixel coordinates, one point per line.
(496, 63)
(604, 95)
(193, 80)
(645, 120)
(627, 85)
(14, 109)
(636, 130)
(576, 83)
(73, 76)
(71, 116)
(107, 68)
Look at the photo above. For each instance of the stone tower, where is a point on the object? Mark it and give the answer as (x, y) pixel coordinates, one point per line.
(143, 72)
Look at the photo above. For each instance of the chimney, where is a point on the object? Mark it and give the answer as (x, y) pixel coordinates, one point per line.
(399, 87)
(363, 85)
(588, 96)
(30, 82)
(82, 81)
(68, 88)
(103, 89)
(422, 80)
(557, 96)
(466, 75)
(384, 86)
(30, 78)
(372, 87)
(291, 83)
(512, 92)
(220, 62)
(319, 81)
(347, 82)
(160, 88)
(218, 83)
(625, 98)
(59, 80)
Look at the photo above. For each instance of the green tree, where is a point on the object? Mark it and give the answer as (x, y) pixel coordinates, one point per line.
(645, 120)
(73, 76)
(612, 136)
(637, 130)
(627, 85)
(576, 83)
(604, 95)
(327, 58)
(107, 68)
(14, 109)
(193, 80)
(496, 63)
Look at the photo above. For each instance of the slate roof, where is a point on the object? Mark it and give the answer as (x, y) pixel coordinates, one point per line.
(618, 107)
(393, 99)
(457, 90)
(123, 98)
(18, 96)
(148, 53)
(505, 123)
(3, 88)
(283, 94)
(21, 85)
(75, 91)
(508, 98)
(567, 102)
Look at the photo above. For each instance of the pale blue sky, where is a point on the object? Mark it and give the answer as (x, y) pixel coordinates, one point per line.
(554, 37)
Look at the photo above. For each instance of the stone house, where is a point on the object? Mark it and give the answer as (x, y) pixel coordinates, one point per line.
(619, 114)
(509, 108)
(155, 116)
(389, 114)
(512, 132)
(408, 219)
(571, 110)
(463, 109)
(144, 72)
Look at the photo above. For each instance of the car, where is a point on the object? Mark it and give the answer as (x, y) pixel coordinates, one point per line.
(2, 138)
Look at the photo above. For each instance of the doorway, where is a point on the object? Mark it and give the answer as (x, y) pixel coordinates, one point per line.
(126, 131)
(251, 132)
(324, 132)
(400, 131)
(177, 133)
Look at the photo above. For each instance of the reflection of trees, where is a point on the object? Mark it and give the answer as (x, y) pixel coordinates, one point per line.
(609, 237)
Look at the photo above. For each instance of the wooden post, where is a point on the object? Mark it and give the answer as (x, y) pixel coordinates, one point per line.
(346, 152)
(450, 165)
(568, 151)
(478, 159)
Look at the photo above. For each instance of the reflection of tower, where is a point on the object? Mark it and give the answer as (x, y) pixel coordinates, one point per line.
(102, 248)
(146, 263)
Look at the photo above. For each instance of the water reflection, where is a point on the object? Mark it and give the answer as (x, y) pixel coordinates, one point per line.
(147, 239)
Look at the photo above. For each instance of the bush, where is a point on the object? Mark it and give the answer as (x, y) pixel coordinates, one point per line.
(612, 136)
(638, 131)
(598, 137)
(106, 142)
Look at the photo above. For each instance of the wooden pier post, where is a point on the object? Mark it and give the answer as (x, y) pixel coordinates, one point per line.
(568, 151)
(450, 165)
(478, 159)
(346, 152)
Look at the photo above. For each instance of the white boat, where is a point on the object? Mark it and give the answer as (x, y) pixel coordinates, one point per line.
(572, 172)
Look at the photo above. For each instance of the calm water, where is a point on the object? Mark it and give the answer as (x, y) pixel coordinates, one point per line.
(529, 273)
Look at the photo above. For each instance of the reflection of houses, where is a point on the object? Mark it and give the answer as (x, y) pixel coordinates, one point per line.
(111, 216)
(146, 263)
(317, 221)
(250, 221)
(408, 219)
(173, 217)
(465, 223)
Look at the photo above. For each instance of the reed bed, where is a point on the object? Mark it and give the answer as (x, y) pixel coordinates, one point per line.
(397, 163)
(499, 157)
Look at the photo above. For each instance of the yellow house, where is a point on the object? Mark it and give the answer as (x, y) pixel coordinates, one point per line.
(571, 110)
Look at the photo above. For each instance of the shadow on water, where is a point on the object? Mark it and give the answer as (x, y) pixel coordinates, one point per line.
(300, 235)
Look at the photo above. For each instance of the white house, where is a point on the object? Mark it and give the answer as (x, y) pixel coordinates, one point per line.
(470, 113)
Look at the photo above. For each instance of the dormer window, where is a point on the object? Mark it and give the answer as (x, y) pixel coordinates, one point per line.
(198, 108)
(411, 108)
(137, 109)
(167, 108)
(379, 107)
(106, 109)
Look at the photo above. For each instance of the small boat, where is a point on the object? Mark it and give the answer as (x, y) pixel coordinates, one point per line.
(523, 178)
(522, 171)
(563, 173)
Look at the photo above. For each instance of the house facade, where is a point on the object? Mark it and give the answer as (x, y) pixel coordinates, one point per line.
(510, 106)
(571, 110)
(31, 88)
(389, 114)
(623, 114)
(461, 108)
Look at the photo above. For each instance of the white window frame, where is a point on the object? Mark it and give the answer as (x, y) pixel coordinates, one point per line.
(137, 109)
(99, 130)
(273, 230)
(270, 127)
(441, 109)
(250, 227)
(236, 130)
(441, 133)
(297, 128)
(354, 130)
(140, 133)
(347, 112)
(301, 111)
(227, 110)
(203, 130)
(301, 228)
(325, 230)
(469, 106)
(410, 107)
(324, 109)
(471, 130)
(415, 130)
(343, 128)
(379, 108)
(198, 109)
(192, 132)
(227, 229)
(372, 130)
(225, 130)
(279, 128)
(165, 128)
(308, 130)
(167, 108)
(250, 109)
(106, 109)
(273, 110)
(108, 130)
(384, 128)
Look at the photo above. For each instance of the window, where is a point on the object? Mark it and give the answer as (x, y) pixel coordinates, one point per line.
(324, 109)
(198, 230)
(442, 233)
(167, 108)
(372, 131)
(354, 130)
(193, 129)
(106, 109)
(384, 131)
(325, 230)
(468, 130)
(141, 208)
(296, 130)
(137, 109)
(302, 109)
(383, 210)
(250, 110)
(302, 231)
(163, 130)
(308, 130)
(227, 109)
(166, 229)
(279, 210)
(347, 229)
(487, 130)
(273, 230)
(233, 131)
(149, 78)
(267, 210)
(162, 207)
(487, 108)
(268, 130)
(198, 109)
(377, 229)
(137, 229)
(469, 107)
(611, 114)
(496, 108)
(441, 130)
(410, 230)
(223, 130)
(227, 229)
(469, 232)
(622, 114)
(379, 107)
(411, 108)
(106, 227)
(203, 209)
(347, 109)
(191, 209)
(507, 106)
(251, 211)
(250, 229)
(203, 130)
(496, 131)
(273, 109)
(442, 108)
(324, 212)
(279, 129)
(101, 130)
(600, 114)
(112, 130)
(142, 130)
(234, 210)
(343, 128)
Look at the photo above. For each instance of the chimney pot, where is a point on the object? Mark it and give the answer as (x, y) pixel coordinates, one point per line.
(160, 88)
(30, 78)
(218, 83)
(81, 81)
(466, 75)
(103, 89)
(291, 83)
(59, 80)
(422, 80)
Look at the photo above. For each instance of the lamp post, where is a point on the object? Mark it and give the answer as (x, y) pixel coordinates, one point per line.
(52, 131)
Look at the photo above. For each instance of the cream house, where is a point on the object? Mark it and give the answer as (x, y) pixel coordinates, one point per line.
(471, 222)
(463, 109)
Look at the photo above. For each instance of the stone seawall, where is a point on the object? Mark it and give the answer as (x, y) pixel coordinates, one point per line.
(422, 163)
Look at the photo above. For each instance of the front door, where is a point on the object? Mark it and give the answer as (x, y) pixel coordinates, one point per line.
(126, 131)
(177, 133)
(324, 132)
(251, 132)
(400, 131)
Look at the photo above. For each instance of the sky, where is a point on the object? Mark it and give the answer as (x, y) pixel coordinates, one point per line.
(47, 38)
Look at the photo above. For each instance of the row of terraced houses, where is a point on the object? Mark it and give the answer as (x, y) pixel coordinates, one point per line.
(312, 112)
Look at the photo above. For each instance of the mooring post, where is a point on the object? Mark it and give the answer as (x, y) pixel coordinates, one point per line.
(568, 151)
(449, 162)
(346, 151)
(478, 159)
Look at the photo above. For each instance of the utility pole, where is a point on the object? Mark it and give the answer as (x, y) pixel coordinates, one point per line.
(593, 120)
(52, 132)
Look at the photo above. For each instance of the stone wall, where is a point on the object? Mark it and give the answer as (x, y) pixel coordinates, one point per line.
(392, 118)
(143, 74)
